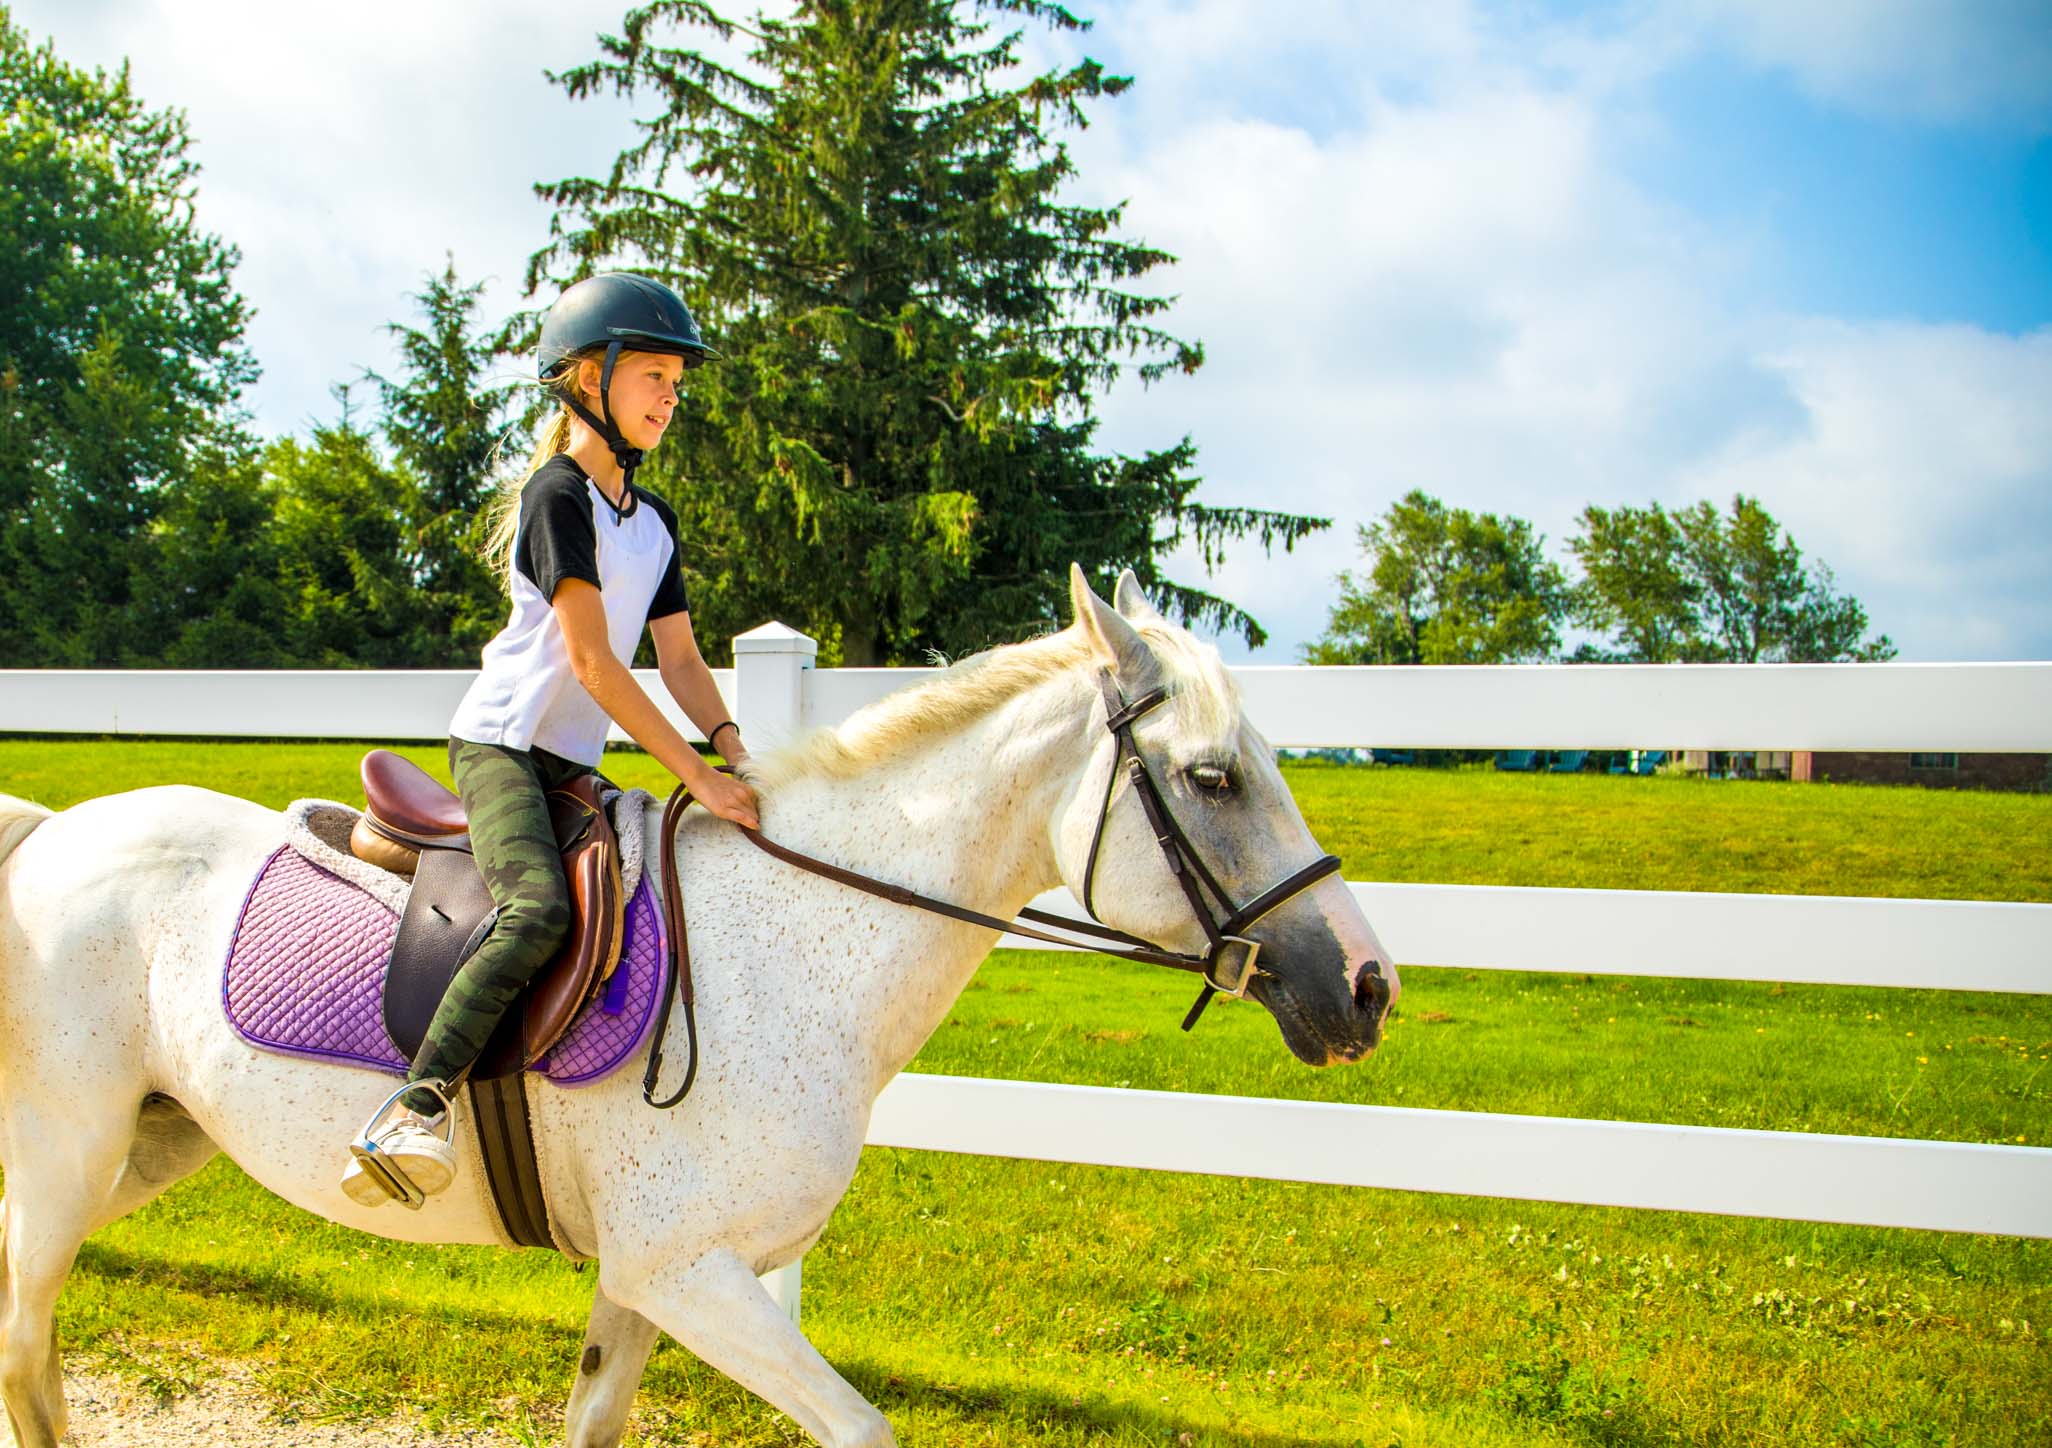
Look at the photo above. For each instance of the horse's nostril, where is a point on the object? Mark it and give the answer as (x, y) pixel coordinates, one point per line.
(1371, 991)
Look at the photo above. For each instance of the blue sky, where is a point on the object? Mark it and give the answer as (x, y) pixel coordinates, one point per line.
(1873, 219)
(1524, 256)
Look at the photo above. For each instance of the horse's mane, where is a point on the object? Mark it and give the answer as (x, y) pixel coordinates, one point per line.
(1203, 695)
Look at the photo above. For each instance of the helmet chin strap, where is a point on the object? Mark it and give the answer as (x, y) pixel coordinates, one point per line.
(625, 453)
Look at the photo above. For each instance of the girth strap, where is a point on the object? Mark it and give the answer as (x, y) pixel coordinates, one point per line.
(506, 1144)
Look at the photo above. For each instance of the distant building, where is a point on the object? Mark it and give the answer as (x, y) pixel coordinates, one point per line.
(2026, 772)
(1738, 763)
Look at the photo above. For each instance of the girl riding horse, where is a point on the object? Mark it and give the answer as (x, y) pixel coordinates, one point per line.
(589, 559)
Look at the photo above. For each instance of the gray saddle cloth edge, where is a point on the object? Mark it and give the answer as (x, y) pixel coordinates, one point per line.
(318, 829)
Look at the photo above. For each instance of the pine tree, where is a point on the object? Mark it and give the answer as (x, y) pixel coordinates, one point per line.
(896, 452)
(444, 426)
(210, 594)
(346, 580)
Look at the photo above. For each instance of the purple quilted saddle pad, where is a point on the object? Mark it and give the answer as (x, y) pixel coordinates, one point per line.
(306, 976)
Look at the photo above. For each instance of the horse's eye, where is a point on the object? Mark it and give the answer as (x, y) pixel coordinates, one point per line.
(1211, 779)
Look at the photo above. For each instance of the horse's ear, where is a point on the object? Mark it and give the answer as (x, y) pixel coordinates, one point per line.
(1112, 639)
(1132, 603)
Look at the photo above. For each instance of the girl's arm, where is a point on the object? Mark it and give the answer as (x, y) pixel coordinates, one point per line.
(691, 684)
(582, 617)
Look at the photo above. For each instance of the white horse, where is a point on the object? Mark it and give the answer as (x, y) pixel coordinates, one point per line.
(119, 1074)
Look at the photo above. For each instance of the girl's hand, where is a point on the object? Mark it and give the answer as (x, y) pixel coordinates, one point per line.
(729, 798)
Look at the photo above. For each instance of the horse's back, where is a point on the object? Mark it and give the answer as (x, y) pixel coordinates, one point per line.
(92, 893)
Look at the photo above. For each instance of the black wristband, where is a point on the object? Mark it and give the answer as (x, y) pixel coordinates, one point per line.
(714, 732)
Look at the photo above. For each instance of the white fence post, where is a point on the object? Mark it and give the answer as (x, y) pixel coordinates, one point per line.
(770, 664)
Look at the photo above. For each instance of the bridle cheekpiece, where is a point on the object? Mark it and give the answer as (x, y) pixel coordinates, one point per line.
(1232, 964)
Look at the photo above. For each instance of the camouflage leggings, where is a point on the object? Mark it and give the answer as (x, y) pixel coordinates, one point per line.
(516, 849)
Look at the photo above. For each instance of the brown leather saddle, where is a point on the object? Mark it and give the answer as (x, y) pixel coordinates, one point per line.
(412, 825)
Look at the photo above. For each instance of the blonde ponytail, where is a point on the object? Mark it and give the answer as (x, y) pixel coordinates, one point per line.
(502, 513)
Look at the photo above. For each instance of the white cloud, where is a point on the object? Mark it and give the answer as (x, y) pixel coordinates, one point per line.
(1456, 296)
(345, 150)
(1456, 288)
(1922, 471)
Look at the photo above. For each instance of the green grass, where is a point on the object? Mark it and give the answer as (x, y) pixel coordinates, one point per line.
(981, 1301)
(1678, 833)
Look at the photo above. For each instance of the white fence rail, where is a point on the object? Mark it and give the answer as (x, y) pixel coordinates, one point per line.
(1701, 935)
(1929, 944)
(1991, 707)
(1874, 1181)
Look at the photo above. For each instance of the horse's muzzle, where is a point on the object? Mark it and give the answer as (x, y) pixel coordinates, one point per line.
(1372, 996)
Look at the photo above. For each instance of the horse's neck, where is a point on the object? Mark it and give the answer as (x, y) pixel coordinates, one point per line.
(963, 818)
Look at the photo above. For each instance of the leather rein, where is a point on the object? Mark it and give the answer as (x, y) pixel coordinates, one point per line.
(1230, 966)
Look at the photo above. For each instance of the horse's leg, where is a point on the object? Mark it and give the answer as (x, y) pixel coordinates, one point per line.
(60, 1178)
(616, 1349)
(168, 1147)
(717, 1308)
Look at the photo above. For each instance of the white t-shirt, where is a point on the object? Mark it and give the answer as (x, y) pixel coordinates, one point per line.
(527, 696)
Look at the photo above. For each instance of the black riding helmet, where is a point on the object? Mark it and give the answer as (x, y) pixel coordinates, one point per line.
(624, 313)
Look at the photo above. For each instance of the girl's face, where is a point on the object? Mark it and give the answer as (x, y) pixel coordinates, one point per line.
(643, 394)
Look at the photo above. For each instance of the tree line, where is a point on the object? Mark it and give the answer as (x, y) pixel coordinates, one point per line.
(1696, 585)
(897, 452)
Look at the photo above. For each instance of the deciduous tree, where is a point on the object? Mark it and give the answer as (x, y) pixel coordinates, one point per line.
(120, 350)
(1445, 586)
(1704, 585)
(1636, 587)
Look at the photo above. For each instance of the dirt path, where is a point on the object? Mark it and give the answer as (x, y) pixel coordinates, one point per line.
(228, 1412)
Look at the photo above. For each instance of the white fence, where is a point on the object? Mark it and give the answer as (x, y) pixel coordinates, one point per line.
(1961, 945)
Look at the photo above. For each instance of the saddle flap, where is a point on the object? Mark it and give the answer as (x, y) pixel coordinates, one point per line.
(446, 916)
(591, 867)
(450, 912)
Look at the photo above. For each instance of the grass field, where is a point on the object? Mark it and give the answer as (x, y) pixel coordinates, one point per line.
(980, 1301)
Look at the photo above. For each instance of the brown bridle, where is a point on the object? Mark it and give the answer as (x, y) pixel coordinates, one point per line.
(1230, 966)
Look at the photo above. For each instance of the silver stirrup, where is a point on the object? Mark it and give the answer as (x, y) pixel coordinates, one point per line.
(380, 1167)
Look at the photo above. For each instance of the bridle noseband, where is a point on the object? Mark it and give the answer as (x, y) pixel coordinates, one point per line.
(1231, 966)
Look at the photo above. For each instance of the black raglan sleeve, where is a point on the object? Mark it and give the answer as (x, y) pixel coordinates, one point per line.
(557, 539)
(669, 595)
